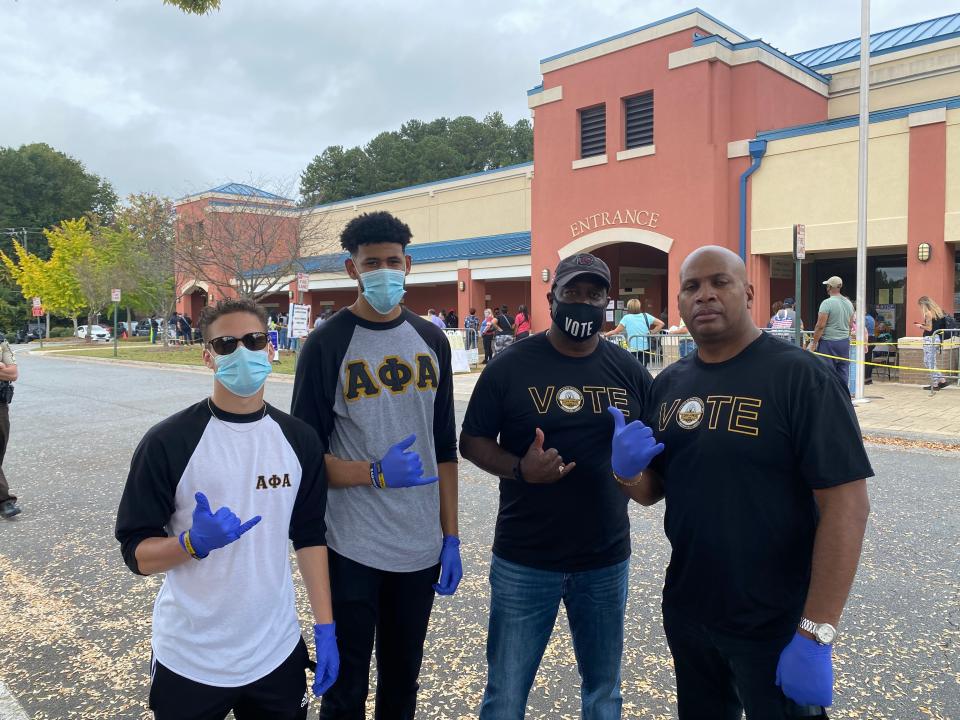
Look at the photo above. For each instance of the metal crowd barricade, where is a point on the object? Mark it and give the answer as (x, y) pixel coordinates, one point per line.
(660, 350)
(950, 354)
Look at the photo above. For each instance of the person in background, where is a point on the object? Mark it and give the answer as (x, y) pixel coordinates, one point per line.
(521, 326)
(436, 319)
(933, 325)
(833, 326)
(451, 319)
(8, 375)
(504, 336)
(638, 326)
(472, 324)
(488, 329)
(870, 319)
(774, 309)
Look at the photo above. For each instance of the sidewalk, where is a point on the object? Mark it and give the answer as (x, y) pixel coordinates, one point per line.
(908, 411)
(894, 410)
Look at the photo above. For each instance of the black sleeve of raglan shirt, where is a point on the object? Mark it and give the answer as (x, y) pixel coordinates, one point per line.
(308, 526)
(318, 371)
(158, 463)
(444, 416)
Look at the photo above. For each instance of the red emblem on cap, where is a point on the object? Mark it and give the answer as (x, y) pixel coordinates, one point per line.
(584, 259)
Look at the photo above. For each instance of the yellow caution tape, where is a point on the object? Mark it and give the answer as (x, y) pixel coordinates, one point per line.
(883, 365)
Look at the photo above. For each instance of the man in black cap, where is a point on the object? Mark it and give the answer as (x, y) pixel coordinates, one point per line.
(540, 419)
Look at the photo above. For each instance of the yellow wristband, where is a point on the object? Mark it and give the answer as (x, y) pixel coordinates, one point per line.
(189, 546)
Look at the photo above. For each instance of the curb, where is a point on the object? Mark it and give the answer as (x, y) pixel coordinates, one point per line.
(950, 440)
(284, 378)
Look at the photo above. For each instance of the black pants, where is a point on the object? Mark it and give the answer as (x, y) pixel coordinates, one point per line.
(280, 695)
(719, 676)
(4, 436)
(393, 609)
(487, 347)
(868, 357)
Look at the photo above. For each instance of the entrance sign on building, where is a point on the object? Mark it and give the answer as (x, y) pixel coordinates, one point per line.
(643, 218)
(299, 321)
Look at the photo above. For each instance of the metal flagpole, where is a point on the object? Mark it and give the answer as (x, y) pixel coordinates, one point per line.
(862, 198)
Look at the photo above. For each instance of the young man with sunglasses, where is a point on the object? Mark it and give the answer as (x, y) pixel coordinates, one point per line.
(225, 630)
(375, 381)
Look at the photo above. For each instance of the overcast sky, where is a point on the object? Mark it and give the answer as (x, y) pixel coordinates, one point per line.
(158, 101)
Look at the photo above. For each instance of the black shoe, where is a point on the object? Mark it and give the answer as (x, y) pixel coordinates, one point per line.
(868, 381)
(9, 509)
(942, 384)
(927, 387)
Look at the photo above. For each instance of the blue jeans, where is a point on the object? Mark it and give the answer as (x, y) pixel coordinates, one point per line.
(837, 349)
(523, 609)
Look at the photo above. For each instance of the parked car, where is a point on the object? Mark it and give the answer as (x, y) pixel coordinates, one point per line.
(142, 329)
(95, 331)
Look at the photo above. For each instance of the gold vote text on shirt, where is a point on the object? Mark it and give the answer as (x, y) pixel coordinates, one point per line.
(393, 373)
(572, 399)
(733, 413)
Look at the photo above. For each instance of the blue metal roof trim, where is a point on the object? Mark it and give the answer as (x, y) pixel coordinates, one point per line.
(853, 120)
(901, 38)
(644, 27)
(535, 90)
(761, 44)
(421, 185)
(246, 190)
(490, 246)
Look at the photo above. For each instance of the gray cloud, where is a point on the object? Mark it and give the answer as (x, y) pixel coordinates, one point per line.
(159, 101)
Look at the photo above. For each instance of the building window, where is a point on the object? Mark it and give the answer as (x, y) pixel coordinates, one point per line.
(638, 120)
(593, 131)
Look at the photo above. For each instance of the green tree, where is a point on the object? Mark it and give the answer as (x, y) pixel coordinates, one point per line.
(39, 187)
(418, 152)
(197, 7)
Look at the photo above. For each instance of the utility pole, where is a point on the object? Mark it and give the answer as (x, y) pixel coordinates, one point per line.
(864, 145)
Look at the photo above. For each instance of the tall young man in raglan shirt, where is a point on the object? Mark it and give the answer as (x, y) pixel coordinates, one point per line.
(225, 629)
(375, 381)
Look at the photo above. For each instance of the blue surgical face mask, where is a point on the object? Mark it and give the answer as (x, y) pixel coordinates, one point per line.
(243, 372)
(383, 289)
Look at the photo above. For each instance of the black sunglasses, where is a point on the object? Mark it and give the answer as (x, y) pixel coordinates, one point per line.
(227, 344)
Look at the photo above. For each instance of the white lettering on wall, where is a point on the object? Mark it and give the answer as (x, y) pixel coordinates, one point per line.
(642, 218)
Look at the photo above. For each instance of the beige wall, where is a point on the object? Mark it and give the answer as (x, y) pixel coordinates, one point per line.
(898, 79)
(952, 219)
(812, 179)
(486, 205)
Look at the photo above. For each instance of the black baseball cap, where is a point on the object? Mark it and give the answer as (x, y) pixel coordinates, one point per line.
(789, 301)
(576, 266)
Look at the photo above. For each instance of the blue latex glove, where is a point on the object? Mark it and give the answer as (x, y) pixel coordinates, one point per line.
(451, 569)
(328, 657)
(402, 468)
(633, 445)
(214, 530)
(805, 672)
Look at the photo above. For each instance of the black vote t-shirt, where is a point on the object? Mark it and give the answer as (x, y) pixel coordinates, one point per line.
(746, 443)
(580, 522)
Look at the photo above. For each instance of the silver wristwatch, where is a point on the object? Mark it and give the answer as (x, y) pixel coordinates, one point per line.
(823, 633)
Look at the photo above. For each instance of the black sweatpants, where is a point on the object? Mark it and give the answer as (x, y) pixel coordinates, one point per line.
(487, 347)
(280, 695)
(393, 609)
(4, 436)
(721, 676)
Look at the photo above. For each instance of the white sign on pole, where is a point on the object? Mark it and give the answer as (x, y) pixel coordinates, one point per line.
(303, 282)
(115, 295)
(37, 303)
(299, 321)
(799, 242)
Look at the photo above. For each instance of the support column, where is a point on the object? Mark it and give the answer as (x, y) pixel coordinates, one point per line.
(758, 273)
(465, 297)
(925, 214)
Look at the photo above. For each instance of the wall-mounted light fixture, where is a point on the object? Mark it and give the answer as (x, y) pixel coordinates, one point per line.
(545, 274)
(462, 285)
(923, 252)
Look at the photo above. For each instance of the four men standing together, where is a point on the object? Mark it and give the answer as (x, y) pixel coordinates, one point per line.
(751, 442)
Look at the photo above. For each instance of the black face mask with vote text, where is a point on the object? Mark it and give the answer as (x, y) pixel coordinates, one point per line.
(578, 321)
